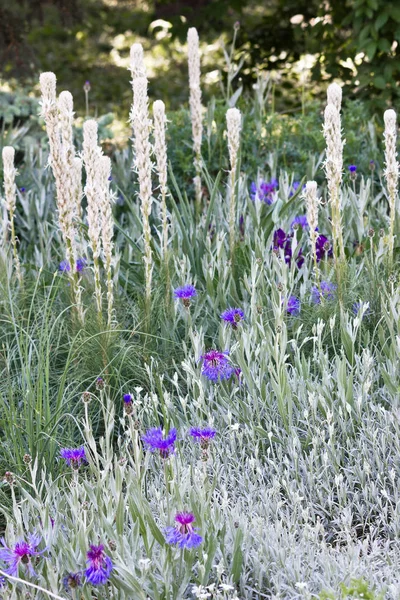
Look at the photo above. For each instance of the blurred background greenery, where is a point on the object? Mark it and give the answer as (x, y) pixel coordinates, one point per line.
(285, 50)
(316, 40)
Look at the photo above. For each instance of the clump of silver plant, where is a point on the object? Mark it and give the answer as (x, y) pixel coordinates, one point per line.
(311, 202)
(141, 128)
(195, 106)
(58, 119)
(334, 169)
(107, 229)
(234, 125)
(91, 158)
(10, 191)
(391, 173)
(160, 150)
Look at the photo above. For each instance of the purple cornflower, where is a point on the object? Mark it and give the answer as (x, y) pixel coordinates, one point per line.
(233, 316)
(204, 436)
(237, 371)
(21, 554)
(300, 220)
(295, 187)
(183, 534)
(155, 440)
(293, 306)
(216, 365)
(72, 581)
(74, 456)
(185, 293)
(327, 290)
(64, 266)
(353, 172)
(279, 238)
(359, 306)
(128, 404)
(22, 189)
(284, 241)
(323, 248)
(80, 264)
(264, 191)
(99, 565)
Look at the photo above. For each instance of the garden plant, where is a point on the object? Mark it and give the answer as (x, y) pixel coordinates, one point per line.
(200, 351)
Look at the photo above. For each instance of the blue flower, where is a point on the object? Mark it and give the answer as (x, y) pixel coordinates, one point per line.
(328, 291)
(323, 248)
(216, 365)
(74, 457)
(295, 187)
(183, 534)
(293, 305)
(204, 436)
(155, 440)
(352, 168)
(99, 565)
(300, 220)
(359, 306)
(64, 266)
(72, 581)
(264, 191)
(284, 241)
(127, 398)
(22, 553)
(185, 293)
(233, 316)
(80, 264)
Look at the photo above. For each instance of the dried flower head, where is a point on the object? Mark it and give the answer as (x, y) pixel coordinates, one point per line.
(72, 581)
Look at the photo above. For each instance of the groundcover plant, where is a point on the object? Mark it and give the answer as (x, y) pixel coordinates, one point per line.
(199, 391)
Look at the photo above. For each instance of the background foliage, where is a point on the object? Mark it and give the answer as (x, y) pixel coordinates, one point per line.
(354, 40)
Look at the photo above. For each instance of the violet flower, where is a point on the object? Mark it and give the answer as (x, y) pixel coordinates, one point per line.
(183, 534)
(233, 316)
(99, 565)
(216, 365)
(154, 440)
(21, 554)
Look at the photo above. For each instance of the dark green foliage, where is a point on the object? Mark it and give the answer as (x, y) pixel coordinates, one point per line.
(79, 37)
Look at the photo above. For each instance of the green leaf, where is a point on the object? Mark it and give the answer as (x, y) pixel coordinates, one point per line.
(237, 556)
(379, 82)
(395, 13)
(381, 20)
(384, 45)
(370, 49)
